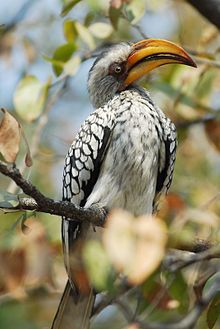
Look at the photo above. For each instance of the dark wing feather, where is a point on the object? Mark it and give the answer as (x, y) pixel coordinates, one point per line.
(167, 157)
(81, 170)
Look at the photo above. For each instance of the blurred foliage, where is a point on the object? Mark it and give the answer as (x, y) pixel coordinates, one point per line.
(40, 42)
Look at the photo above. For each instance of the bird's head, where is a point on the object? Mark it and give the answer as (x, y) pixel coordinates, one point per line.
(121, 65)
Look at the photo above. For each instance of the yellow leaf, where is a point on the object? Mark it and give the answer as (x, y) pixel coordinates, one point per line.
(85, 35)
(135, 246)
(30, 97)
(69, 30)
(101, 30)
(71, 67)
(10, 136)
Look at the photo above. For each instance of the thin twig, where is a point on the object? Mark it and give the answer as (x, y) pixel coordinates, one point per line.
(204, 119)
(211, 201)
(206, 61)
(108, 299)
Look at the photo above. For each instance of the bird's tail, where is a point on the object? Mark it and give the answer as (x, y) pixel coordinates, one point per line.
(74, 310)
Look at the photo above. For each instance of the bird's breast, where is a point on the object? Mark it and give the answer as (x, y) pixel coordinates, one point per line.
(129, 171)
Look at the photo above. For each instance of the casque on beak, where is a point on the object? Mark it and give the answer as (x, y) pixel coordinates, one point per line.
(151, 53)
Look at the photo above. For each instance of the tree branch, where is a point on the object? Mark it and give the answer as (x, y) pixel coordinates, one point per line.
(178, 259)
(19, 16)
(41, 203)
(208, 8)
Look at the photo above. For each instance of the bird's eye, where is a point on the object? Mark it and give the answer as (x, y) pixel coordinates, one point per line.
(117, 69)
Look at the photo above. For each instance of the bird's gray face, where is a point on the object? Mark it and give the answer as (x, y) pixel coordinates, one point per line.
(108, 73)
(125, 63)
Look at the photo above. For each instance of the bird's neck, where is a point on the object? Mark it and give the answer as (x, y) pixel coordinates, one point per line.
(101, 93)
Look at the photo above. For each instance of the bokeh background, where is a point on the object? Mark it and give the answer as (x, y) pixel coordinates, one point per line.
(31, 269)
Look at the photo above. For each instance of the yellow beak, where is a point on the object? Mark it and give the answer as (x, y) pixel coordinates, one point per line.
(151, 53)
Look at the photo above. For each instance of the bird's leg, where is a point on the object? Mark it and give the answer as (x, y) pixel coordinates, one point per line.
(103, 211)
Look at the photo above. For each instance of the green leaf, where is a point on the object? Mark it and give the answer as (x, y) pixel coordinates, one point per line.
(114, 15)
(61, 55)
(8, 200)
(30, 98)
(101, 30)
(69, 30)
(85, 35)
(68, 6)
(205, 83)
(89, 18)
(72, 66)
(178, 290)
(213, 313)
(210, 282)
(97, 264)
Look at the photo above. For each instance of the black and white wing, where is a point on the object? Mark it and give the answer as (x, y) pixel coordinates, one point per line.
(81, 169)
(167, 157)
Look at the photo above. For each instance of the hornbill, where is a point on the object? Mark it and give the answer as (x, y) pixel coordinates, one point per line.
(123, 156)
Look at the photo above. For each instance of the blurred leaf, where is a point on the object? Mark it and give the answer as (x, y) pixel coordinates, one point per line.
(205, 84)
(8, 200)
(68, 6)
(175, 201)
(30, 97)
(212, 129)
(97, 264)
(142, 244)
(14, 314)
(151, 292)
(85, 35)
(135, 10)
(10, 136)
(61, 55)
(114, 15)
(72, 66)
(132, 326)
(69, 30)
(179, 291)
(209, 283)
(213, 312)
(98, 6)
(101, 30)
(116, 3)
(89, 18)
